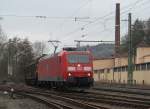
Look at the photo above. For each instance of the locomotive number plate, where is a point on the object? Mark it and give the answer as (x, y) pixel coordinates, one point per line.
(79, 68)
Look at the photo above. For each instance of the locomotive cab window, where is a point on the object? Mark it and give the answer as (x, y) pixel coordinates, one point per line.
(76, 58)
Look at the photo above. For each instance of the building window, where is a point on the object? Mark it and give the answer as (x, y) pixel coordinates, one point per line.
(102, 71)
(123, 69)
(108, 70)
(148, 66)
(126, 68)
(115, 69)
(143, 66)
(96, 71)
(119, 69)
(138, 67)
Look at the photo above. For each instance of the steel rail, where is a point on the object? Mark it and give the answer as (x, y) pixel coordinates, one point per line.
(82, 104)
(46, 100)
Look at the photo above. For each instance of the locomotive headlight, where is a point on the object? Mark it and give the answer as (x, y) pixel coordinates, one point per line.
(87, 68)
(78, 65)
(69, 74)
(89, 74)
(71, 68)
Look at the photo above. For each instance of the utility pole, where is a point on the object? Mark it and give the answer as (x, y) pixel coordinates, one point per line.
(130, 52)
(55, 44)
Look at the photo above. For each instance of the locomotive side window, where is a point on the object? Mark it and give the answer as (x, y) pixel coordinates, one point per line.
(76, 58)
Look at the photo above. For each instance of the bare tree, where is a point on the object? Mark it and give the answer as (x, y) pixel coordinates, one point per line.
(23, 57)
(3, 37)
(39, 48)
(3, 55)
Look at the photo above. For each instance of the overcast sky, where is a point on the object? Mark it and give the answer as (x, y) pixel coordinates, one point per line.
(19, 18)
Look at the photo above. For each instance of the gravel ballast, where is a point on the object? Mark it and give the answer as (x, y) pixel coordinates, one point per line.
(19, 102)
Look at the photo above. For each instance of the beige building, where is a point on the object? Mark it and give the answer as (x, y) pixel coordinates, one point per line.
(103, 63)
(121, 61)
(146, 58)
(143, 55)
(115, 69)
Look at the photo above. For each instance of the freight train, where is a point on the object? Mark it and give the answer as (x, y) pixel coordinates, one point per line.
(68, 68)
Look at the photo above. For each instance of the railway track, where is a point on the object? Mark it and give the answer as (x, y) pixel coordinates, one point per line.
(74, 103)
(50, 102)
(126, 89)
(113, 100)
(86, 100)
(54, 100)
(124, 86)
(95, 99)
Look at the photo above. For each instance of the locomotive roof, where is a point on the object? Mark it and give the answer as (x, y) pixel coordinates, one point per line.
(61, 53)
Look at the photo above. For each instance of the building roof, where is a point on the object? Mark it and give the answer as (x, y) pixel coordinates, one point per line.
(147, 55)
(119, 55)
(143, 44)
(103, 58)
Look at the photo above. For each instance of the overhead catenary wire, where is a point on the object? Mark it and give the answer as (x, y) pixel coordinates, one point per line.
(77, 10)
(122, 12)
(112, 12)
(72, 18)
(101, 31)
(103, 17)
(128, 10)
(47, 17)
(39, 16)
(143, 10)
(125, 9)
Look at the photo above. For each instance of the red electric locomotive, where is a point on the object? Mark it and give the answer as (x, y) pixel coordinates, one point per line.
(67, 68)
